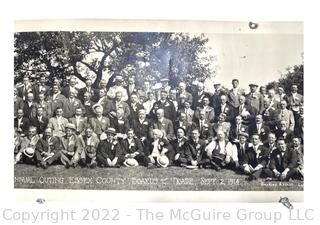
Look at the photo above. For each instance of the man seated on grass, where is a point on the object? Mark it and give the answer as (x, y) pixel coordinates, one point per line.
(222, 153)
(134, 154)
(178, 146)
(88, 155)
(195, 154)
(158, 150)
(256, 159)
(109, 152)
(283, 162)
(48, 149)
(27, 147)
(72, 147)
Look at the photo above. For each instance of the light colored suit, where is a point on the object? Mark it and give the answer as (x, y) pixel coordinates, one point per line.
(58, 129)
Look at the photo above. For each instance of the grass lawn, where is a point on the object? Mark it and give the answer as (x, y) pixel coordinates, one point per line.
(141, 178)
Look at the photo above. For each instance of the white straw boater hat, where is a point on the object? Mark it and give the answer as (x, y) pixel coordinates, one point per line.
(131, 163)
(163, 161)
(29, 152)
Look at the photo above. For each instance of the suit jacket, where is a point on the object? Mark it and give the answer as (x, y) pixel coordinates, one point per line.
(197, 98)
(286, 135)
(120, 125)
(134, 110)
(135, 146)
(206, 131)
(109, 150)
(22, 92)
(167, 106)
(269, 117)
(264, 131)
(210, 113)
(189, 113)
(299, 126)
(72, 145)
(88, 109)
(179, 146)
(140, 129)
(66, 91)
(187, 126)
(36, 91)
(242, 152)
(188, 98)
(26, 142)
(70, 108)
(59, 101)
(41, 125)
(162, 145)
(18, 104)
(47, 110)
(234, 97)
(253, 158)
(195, 151)
(286, 115)
(166, 126)
(246, 112)
(234, 133)
(90, 146)
(53, 124)
(294, 102)
(99, 126)
(124, 106)
(24, 125)
(215, 98)
(228, 110)
(80, 127)
(255, 101)
(106, 105)
(30, 111)
(280, 161)
(94, 94)
(52, 145)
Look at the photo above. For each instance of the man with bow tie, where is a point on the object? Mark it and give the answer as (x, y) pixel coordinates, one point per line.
(40, 121)
(195, 153)
(235, 93)
(89, 153)
(71, 104)
(283, 162)
(258, 127)
(21, 123)
(285, 114)
(210, 113)
(98, 123)
(178, 145)
(110, 152)
(256, 160)
(225, 108)
(72, 147)
(48, 149)
(163, 124)
(58, 123)
(255, 99)
(133, 149)
(79, 121)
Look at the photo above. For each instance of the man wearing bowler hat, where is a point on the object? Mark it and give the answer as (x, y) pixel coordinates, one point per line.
(110, 152)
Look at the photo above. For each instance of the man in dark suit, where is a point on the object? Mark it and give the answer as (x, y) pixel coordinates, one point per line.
(71, 104)
(235, 93)
(56, 99)
(109, 152)
(182, 92)
(199, 95)
(133, 150)
(218, 91)
(236, 129)
(167, 106)
(40, 121)
(183, 123)
(26, 88)
(141, 126)
(269, 114)
(135, 106)
(71, 87)
(178, 146)
(21, 123)
(48, 149)
(283, 162)
(117, 104)
(210, 112)
(245, 111)
(204, 127)
(283, 132)
(88, 88)
(163, 124)
(242, 147)
(104, 101)
(30, 106)
(259, 128)
(256, 160)
(225, 108)
(88, 105)
(255, 99)
(120, 124)
(41, 87)
(195, 153)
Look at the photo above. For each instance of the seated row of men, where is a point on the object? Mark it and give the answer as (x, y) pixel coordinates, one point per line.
(274, 159)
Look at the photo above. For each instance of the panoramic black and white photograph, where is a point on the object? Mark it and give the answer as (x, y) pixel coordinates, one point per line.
(218, 110)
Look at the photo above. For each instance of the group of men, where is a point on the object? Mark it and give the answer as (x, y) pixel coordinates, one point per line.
(259, 133)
